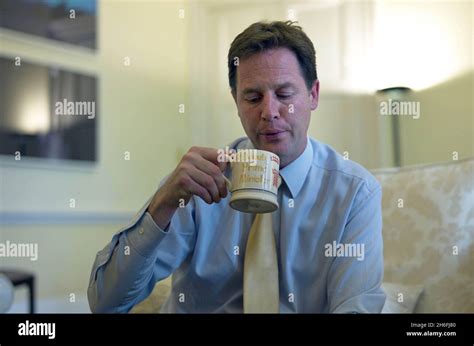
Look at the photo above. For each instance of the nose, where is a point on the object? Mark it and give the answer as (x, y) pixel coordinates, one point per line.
(270, 108)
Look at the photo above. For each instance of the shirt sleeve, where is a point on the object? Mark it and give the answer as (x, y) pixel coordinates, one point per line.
(140, 254)
(354, 281)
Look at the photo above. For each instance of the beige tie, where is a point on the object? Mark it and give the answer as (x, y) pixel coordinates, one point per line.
(261, 293)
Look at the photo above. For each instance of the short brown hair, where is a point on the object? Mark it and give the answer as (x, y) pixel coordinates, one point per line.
(262, 36)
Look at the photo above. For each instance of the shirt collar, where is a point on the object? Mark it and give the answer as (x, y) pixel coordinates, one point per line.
(294, 174)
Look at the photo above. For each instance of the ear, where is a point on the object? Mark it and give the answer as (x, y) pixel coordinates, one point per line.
(314, 95)
(234, 96)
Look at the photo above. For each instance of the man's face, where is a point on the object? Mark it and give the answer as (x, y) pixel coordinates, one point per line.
(273, 102)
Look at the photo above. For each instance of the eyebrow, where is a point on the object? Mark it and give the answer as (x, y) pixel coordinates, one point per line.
(279, 86)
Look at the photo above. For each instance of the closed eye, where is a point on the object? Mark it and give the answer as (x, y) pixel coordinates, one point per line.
(253, 99)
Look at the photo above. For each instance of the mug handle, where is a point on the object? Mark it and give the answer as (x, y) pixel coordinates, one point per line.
(228, 183)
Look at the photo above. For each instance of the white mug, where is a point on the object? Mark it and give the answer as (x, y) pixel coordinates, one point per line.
(254, 185)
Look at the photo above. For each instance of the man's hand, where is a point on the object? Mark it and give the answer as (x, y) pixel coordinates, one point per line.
(198, 173)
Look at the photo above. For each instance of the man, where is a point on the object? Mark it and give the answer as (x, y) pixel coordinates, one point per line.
(327, 229)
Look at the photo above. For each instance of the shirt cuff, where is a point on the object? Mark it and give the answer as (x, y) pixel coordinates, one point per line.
(146, 235)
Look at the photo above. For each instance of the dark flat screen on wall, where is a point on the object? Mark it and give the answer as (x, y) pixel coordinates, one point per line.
(47, 112)
(71, 21)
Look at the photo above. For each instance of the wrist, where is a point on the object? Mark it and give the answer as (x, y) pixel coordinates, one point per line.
(161, 211)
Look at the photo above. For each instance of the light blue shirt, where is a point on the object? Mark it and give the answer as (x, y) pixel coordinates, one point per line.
(328, 233)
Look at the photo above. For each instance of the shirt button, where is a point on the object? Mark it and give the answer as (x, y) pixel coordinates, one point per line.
(141, 231)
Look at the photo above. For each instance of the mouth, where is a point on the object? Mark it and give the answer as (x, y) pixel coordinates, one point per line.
(271, 134)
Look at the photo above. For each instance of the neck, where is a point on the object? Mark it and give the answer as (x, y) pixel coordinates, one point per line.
(285, 161)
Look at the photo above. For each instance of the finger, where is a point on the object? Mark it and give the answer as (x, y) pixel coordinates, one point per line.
(196, 189)
(211, 169)
(206, 181)
(212, 155)
(222, 165)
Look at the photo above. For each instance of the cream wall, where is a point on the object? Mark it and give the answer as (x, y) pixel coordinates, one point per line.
(428, 46)
(137, 102)
(65, 256)
(349, 123)
(138, 113)
(446, 124)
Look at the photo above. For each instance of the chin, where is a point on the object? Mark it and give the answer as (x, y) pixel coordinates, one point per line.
(277, 148)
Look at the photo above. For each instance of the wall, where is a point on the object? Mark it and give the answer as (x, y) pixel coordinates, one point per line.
(427, 46)
(443, 127)
(65, 256)
(138, 113)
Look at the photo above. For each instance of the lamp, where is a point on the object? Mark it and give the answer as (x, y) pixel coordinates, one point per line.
(392, 96)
